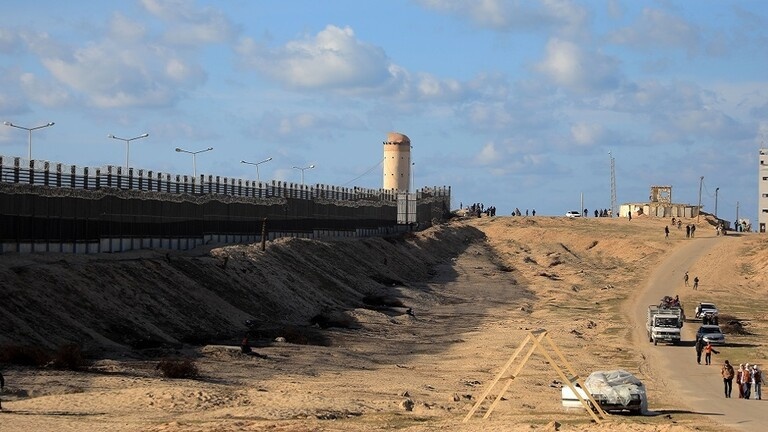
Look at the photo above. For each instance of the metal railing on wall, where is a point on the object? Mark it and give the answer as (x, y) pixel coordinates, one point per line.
(44, 173)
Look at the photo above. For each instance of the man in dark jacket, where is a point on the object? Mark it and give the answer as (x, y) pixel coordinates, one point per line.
(699, 348)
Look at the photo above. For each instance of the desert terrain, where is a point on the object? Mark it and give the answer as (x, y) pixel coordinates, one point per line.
(374, 334)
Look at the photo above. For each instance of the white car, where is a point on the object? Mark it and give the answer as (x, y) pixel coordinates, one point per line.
(572, 214)
(616, 390)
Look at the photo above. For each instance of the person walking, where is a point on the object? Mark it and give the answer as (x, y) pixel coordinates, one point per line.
(757, 382)
(666, 232)
(739, 373)
(708, 350)
(727, 372)
(746, 380)
(699, 349)
(687, 231)
(685, 278)
(693, 229)
(696, 283)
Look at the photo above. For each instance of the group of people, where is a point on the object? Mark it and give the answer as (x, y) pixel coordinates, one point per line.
(749, 379)
(478, 209)
(599, 213)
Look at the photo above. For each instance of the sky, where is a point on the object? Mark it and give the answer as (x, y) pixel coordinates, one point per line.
(513, 104)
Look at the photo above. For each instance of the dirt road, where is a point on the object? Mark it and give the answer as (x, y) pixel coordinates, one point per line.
(698, 387)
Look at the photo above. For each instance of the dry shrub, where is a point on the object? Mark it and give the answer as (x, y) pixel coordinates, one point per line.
(729, 324)
(68, 357)
(178, 368)
(24, 355)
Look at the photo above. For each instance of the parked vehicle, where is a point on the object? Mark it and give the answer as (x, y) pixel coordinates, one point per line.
(705, 308)
(664, 324)
(711, 333)
(572, 214)
(616, 390)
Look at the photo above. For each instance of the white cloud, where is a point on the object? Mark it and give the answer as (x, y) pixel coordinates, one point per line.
(189, 24)
(586, 134)
(657, 28)
(563, 16)
(126, 68)
(303, 127)
(577, 69)
(9, 41)
(45, 93)
(332, 59)
(123, 28)
(111, 75)
(487, 155)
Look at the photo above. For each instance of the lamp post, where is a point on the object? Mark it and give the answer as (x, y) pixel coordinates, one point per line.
(716, 191)
(302, 169)
(701, 182)
(127, 145)
(257, 166)
(29, 153)
(194, 157)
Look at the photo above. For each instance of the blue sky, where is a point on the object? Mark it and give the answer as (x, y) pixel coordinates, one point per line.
(511, 103)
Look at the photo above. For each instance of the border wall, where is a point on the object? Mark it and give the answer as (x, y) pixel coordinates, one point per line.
(48, 207)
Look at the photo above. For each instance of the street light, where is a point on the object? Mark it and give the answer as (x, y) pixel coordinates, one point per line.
(302, 172)
(716, 191)
(257, 166)
(127, 145)
(701, 182)
(29, 156)
(194, 157)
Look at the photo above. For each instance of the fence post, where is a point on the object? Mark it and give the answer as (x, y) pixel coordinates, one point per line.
(85, 177)
(46, 173)
(98, 178)
(72, 176)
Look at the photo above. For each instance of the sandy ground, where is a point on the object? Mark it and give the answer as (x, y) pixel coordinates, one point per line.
(581, 280)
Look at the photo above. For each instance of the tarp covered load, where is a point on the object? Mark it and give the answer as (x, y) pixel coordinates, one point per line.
(617, 387)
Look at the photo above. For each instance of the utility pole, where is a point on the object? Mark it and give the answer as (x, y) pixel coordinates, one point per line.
(614, 210)
(738, 225)
(701, 183)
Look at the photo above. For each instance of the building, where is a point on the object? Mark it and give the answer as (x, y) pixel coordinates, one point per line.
(762, 191)
(660, 205)
(397, 162)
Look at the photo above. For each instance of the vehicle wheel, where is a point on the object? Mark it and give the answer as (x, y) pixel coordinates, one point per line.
(655, 342)
(650, 338)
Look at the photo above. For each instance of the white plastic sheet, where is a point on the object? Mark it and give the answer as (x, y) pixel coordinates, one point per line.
(617, 386)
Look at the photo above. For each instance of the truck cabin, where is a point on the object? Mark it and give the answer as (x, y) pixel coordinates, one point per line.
(668, 322)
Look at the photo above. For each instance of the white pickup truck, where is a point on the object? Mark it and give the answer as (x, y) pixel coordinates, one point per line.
(664, 324)
(705, 308)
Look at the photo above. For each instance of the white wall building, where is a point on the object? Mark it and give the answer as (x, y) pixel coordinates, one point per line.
(762, 190)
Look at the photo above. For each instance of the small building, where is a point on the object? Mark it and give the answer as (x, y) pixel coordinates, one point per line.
(660, 205)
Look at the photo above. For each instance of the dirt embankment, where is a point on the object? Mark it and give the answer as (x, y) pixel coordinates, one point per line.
(149, 299)
(476, 286)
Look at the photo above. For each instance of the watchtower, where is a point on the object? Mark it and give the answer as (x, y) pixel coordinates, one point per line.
(397, 162)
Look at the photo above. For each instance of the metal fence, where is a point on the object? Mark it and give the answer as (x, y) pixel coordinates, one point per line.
(44, 173)
(58, 204)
